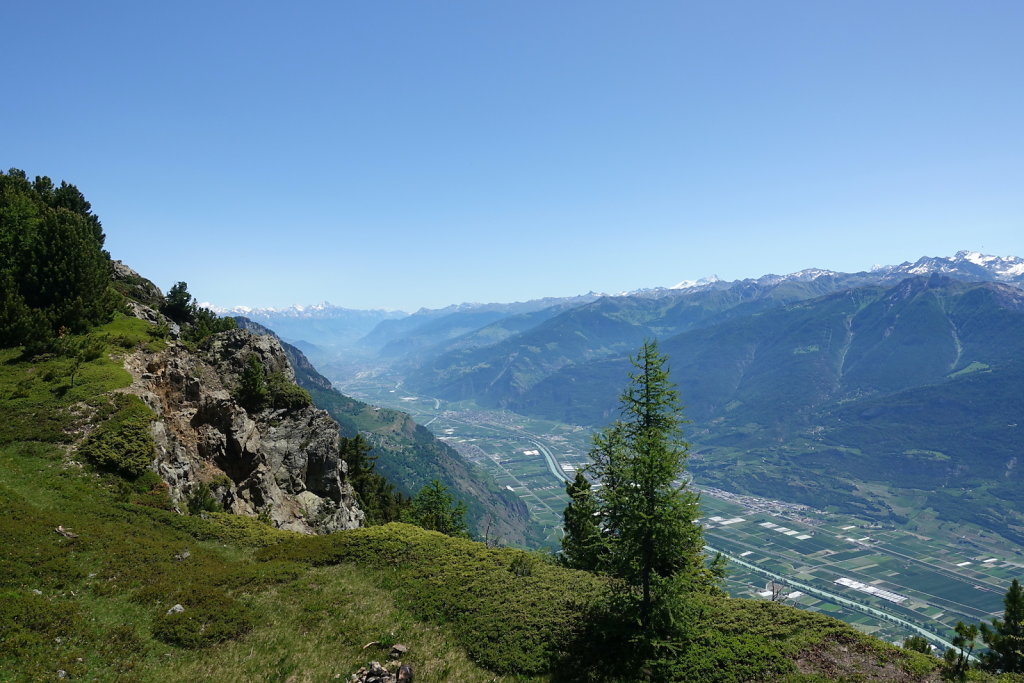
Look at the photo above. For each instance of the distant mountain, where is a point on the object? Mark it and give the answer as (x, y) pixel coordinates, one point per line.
(320, 324)
(393, 335)
(854, 400)
(430, 327)
(880, 392)
(966, 265)
(495, 375)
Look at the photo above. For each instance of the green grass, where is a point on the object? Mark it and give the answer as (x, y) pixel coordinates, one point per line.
(93, 603)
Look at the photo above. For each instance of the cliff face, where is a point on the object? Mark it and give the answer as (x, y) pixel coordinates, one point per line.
(281, 463)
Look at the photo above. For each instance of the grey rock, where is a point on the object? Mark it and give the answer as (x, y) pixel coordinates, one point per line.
(137, 287)
(177, 609)
(398, 651)
(280, 463)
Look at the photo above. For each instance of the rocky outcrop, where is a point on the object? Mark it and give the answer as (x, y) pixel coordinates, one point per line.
(143, 298)
(278, 463)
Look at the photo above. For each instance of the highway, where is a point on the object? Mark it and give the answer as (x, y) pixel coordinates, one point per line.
(832, 597)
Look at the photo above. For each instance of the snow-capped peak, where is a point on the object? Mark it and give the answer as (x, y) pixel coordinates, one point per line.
(976, 257)
(689, 284)
(809, 274)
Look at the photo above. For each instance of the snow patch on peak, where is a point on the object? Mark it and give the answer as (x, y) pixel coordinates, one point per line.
(689, 284)
(810, 274)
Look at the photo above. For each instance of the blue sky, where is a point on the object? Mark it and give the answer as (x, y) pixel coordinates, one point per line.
(407, 154)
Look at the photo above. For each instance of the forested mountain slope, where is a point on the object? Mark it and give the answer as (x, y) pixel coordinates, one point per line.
(915, 386)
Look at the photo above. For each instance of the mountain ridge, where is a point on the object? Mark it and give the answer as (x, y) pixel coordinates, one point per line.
(965, 263)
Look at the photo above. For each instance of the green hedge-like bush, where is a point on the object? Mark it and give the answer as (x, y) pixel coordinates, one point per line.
(210, 617)
(123, 443)
(285, 394)
(507, 622)
(29, 625)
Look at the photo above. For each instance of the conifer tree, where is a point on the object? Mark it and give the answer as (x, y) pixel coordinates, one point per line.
(1005, 637)
(957, 659)
(377, 497)
(581, 545)
(179, 305)
(647, 510)
(252, 392)
(434, 508)
(54, 273)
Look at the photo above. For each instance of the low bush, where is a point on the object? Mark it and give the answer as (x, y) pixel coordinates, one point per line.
(123, 443)
(285, 394)
(209, 617)
(30, 626)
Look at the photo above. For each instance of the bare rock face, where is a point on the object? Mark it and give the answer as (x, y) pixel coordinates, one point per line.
(282, 463)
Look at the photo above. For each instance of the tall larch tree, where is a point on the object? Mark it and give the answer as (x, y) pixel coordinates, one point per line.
(647, 510)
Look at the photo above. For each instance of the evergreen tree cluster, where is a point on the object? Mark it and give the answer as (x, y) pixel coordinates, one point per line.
(1003, 639)
(434, 508)
(377, 496)
(257, 389)
(197, 323)
(54, 272)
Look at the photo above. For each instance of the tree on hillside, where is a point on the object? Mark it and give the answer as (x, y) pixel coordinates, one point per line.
(581, 545)
(434, 508)
(179, 305)
(1005, 637)
(649, 543)
(377, 496)
(957, 660)
(54, 273)
(252, 392)
(647, 510)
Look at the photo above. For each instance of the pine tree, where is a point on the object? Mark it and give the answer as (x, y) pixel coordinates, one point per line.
(434, 508)
(581, 545)
(957, 659)
(647, 510)
(179, 305)
(252, 392)
(54, 273)
(1005, 637)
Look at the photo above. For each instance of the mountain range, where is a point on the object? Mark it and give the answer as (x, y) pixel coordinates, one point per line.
(883, 392)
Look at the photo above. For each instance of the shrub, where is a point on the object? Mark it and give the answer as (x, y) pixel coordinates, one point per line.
(210, 617)
(466, 585)
(285, 394)
(202, 500)
(29, 624)
(123, 443)
(252, 392)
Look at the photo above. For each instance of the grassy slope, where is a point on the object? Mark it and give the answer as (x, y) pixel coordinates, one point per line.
(266, 605)
(103, 594)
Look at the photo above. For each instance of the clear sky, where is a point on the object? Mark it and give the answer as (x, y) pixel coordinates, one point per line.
(407, 154)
